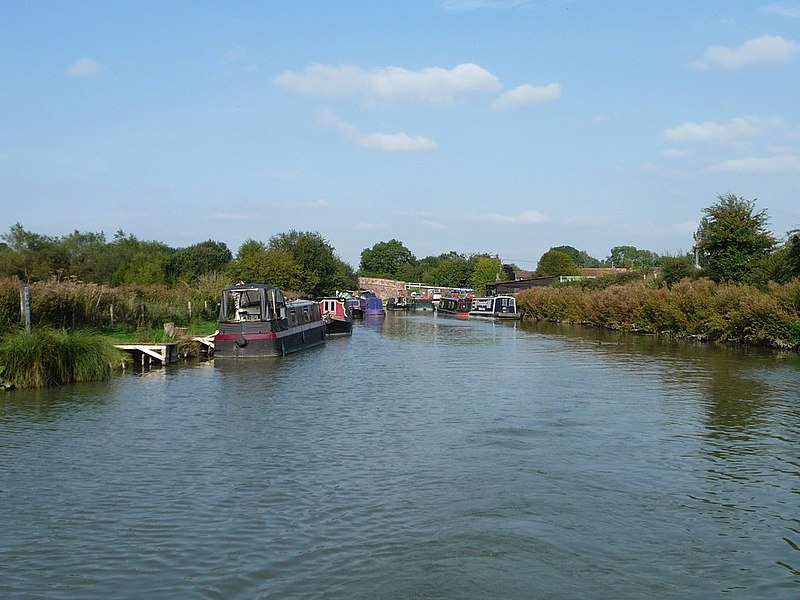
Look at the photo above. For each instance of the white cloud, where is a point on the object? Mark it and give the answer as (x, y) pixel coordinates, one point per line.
(759, 166)
(321, 203)
(432, 85)
(763, 51)
(396, 142)
(385, 142)
(85, 68)
(527, 94)
(527, 217)
(781, 9)
(709, 132)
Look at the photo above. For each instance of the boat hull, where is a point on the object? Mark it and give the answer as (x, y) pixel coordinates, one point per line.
(338, 328)
(269, 344)
(503, 308)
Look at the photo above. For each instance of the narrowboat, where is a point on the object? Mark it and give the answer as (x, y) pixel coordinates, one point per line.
(371, 305)
(398, 304)
(495, 307)
(256, 320)
(421, 303)
(337, 316)
(459, 307)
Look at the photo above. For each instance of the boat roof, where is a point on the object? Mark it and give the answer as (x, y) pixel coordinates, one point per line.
(251, 286)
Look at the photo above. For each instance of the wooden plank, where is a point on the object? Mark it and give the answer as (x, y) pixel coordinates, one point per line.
(164, 353)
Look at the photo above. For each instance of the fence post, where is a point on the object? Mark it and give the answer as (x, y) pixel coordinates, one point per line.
(25, 306)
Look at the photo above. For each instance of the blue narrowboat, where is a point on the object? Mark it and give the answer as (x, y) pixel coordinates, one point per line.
(495, 307)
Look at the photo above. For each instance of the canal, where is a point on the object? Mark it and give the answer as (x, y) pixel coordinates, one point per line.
(424, 457)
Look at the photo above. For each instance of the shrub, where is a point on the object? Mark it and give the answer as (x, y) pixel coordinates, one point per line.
(46, 356)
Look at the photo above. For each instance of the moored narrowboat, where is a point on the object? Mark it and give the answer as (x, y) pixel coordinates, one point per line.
(337, 316)
(459, 307)
(495, 307)
(398, 304)
(256, 320)
(371, 305)
(421, 303)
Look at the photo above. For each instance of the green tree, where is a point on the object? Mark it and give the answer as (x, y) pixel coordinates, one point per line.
(33, 257)
(784, 263)
(84, 251)
(386, 259)
(676, 268)
(322, 269)
(149, 265)
(189, 263)
(733, 240)
(555, 262)
(632, 258)
(451, 270)
(580, 257)
(485, 269)
(792, 258)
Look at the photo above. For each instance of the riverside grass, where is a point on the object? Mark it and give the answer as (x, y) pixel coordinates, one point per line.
(46, 357)
(692, 309)
(76, 305)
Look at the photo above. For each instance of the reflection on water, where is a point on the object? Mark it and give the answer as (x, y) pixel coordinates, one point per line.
(422, 457)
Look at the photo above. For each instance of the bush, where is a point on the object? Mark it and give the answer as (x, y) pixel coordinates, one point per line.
(46, 357)
(699, 309)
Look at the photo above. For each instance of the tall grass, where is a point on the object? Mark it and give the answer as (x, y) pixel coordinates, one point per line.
(699, 309)
(47, 356)
(76, 305)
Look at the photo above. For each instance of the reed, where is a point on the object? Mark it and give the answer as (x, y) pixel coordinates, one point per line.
(76, 305)
(698, 309)
(46, 357)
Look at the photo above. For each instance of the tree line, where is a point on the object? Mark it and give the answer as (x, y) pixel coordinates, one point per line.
(303, 262)
(732, 244)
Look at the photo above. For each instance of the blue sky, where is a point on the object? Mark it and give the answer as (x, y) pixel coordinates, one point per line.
(500, 126)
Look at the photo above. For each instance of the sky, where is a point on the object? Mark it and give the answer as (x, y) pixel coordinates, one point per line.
(477, 126)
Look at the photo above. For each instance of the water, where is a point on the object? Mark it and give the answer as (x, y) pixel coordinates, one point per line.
(424, 457)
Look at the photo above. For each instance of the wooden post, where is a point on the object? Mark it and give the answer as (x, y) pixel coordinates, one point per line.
(25, 306)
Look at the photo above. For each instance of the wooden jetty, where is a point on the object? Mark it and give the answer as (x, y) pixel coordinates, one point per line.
(206, 343)
(145, 354)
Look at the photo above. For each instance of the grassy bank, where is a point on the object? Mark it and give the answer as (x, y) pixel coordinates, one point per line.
(46, 357)
(699, 309)
(75, 305)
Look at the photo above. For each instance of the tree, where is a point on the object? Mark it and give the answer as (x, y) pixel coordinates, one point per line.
(732, 239)
(84, 252)
(148, 265)
(676, 268)
(485, 269)
(322, 269)
(451, 270)
(200, 259)
(632, 258)
(580, 257)
(785, 263)
(386, 259)
(34, 257)
(554, 263)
